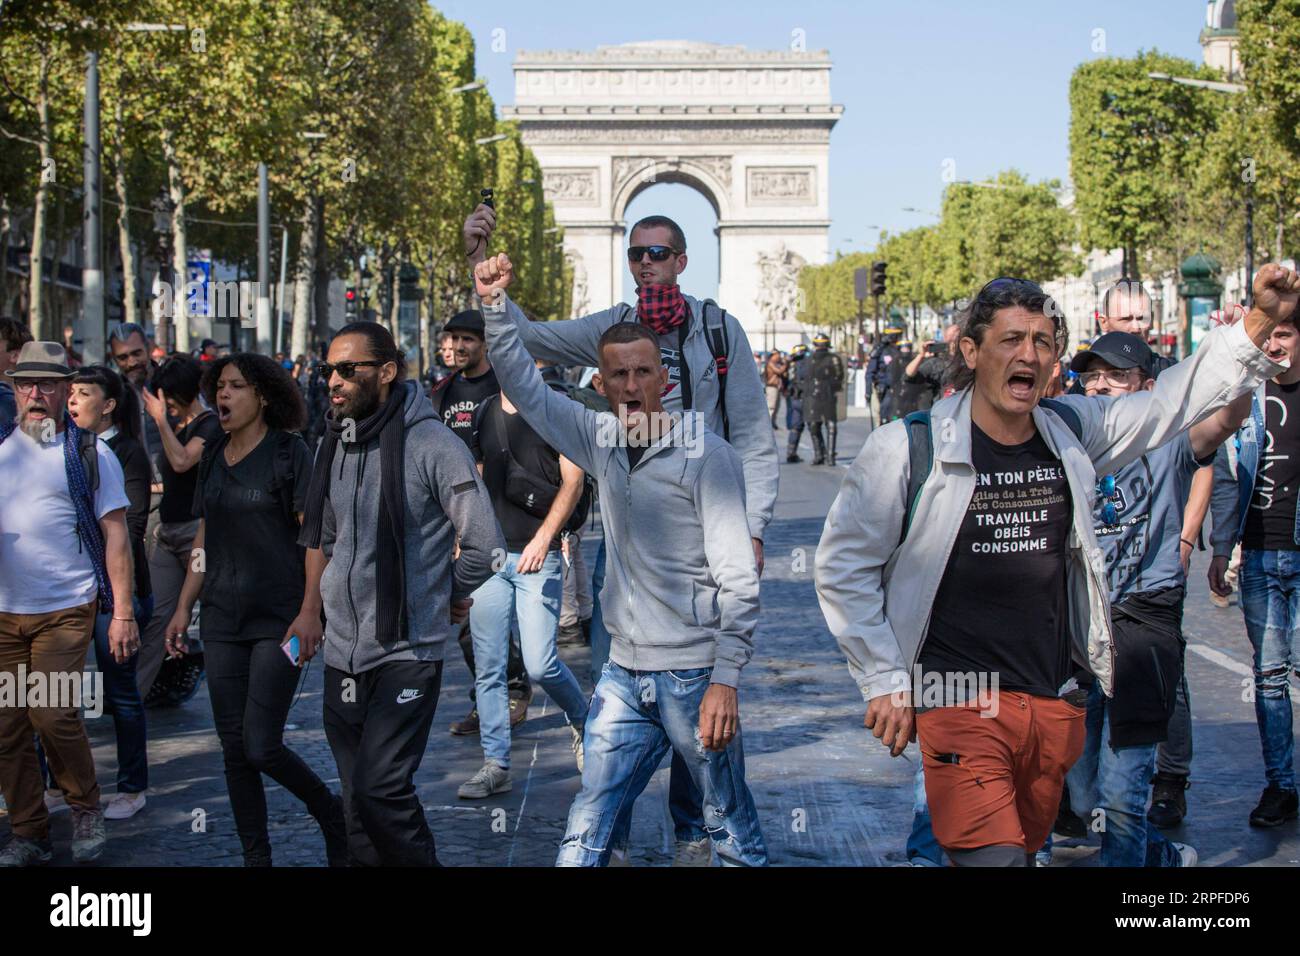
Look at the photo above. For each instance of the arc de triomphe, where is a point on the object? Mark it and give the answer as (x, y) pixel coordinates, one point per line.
(750, 130)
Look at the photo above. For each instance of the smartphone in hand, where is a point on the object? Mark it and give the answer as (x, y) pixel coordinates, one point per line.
(291, 648)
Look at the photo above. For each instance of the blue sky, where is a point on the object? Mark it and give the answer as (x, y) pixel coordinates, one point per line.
(985, 85)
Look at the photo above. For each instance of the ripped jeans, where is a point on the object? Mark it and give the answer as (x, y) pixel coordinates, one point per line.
(1270, 601)
(635, 718)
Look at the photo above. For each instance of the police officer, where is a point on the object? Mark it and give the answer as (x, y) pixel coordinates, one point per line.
(825, 378)
(880, 373)
(796, 382)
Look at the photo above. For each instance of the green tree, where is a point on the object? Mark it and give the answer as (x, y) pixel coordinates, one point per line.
(1135, 143)
(1270, 39)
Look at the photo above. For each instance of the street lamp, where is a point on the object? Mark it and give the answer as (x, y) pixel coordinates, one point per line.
(496, 138)
(1250, 186)
(468, 87)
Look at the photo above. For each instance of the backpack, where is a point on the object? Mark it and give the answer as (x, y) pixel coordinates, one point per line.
(715, 330)
(920, 452)
(281, 484)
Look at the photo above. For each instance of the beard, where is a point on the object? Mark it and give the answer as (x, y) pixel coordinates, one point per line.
(38, 430)
(363, 403)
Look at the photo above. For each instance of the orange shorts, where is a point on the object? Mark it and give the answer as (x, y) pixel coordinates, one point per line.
(997, 780)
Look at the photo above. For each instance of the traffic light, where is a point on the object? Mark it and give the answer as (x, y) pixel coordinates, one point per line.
(877, 278)
(350, 297)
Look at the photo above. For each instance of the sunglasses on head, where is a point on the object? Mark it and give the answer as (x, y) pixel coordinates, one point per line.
(347, 369)
(657, 253)
(1009, 283)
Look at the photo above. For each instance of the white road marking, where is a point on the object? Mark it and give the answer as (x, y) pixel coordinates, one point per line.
(1216, 656)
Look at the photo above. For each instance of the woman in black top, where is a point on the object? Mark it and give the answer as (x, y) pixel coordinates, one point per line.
(185, 427)
(101, 403)
(249, 498)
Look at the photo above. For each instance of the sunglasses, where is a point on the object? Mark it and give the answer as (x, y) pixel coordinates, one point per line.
(657, 253)
(1116, 377)
(1007, 283)
(346, 369)
(1106, 490)
(44, 386)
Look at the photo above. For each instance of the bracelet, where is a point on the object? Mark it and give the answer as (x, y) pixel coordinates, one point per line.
(1188, 543)
(129, 620)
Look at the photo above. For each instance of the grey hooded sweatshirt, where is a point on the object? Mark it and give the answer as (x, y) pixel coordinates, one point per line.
(444, 498)
(681, 588)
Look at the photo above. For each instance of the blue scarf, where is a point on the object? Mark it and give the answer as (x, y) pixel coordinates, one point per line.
(83, 500)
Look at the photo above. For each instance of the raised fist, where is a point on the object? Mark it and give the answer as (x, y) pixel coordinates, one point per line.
(1276, 291)
(492, 277)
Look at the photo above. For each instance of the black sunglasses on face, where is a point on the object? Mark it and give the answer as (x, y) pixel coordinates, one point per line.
(346, 369)
(657, 253)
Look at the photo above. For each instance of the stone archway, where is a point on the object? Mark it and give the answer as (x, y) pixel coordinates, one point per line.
(749, 130)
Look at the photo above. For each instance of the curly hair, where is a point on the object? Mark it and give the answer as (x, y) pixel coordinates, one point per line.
(285, 410)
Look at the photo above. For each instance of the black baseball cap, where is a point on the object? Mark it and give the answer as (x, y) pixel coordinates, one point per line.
(1116, 349)
(471, 320)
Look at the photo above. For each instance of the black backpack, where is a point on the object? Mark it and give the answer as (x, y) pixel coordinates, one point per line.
(281, 484)
(920, 451)
(715, 330)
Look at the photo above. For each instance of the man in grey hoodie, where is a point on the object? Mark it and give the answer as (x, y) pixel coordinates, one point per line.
(681, 595)
(381, 525)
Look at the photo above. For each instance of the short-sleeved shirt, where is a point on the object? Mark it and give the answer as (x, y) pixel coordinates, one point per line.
(529, 451)
(253, 579)
(1001, 607)
(1150, 496)
(178, 489)
(1270, 519)
(44, 566)
(463, 397)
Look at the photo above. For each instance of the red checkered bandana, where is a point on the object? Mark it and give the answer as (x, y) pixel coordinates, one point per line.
(661, 307)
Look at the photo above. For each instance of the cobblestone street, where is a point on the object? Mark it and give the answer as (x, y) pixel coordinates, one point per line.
(827, 793)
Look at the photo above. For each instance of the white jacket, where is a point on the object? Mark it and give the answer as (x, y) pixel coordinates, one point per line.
(877, 595)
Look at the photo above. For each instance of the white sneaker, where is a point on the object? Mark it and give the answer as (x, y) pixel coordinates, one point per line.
(490, 779)
(577, 745)
(694, 853)
(55, 800)
(1186, 853)
(123, 806)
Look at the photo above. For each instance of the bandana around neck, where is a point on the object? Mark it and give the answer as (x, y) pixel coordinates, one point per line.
(662, 307)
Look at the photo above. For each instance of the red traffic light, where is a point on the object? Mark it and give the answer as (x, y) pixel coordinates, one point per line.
(350, 294)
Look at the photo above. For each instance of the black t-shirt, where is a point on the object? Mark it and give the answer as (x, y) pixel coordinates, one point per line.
(137, 474)
(1001, 607)
(178, 489)
(254, 578)
(530, 452)
(463, 395)
(1270, 520)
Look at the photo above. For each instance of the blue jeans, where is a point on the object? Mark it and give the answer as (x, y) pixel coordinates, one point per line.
(636, 717)
(922, 847)
(535, 600)
(1117, 783)
(685, 802)
(1270, 601)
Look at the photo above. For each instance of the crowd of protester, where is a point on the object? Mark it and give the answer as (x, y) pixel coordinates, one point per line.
(1016, 518)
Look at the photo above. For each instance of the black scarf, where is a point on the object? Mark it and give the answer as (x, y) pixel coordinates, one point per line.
(387, 422)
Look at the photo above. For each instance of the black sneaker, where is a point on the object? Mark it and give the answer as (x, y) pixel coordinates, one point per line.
(1276, 806)
(793, 459)
(1168, 800)
(1067, 823)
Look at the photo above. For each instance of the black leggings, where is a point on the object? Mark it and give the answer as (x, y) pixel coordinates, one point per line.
(251, 685)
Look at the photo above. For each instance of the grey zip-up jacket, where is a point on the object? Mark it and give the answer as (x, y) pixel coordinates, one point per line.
(877, 595)
(573, 342)
(681, 586)
(444, 498)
